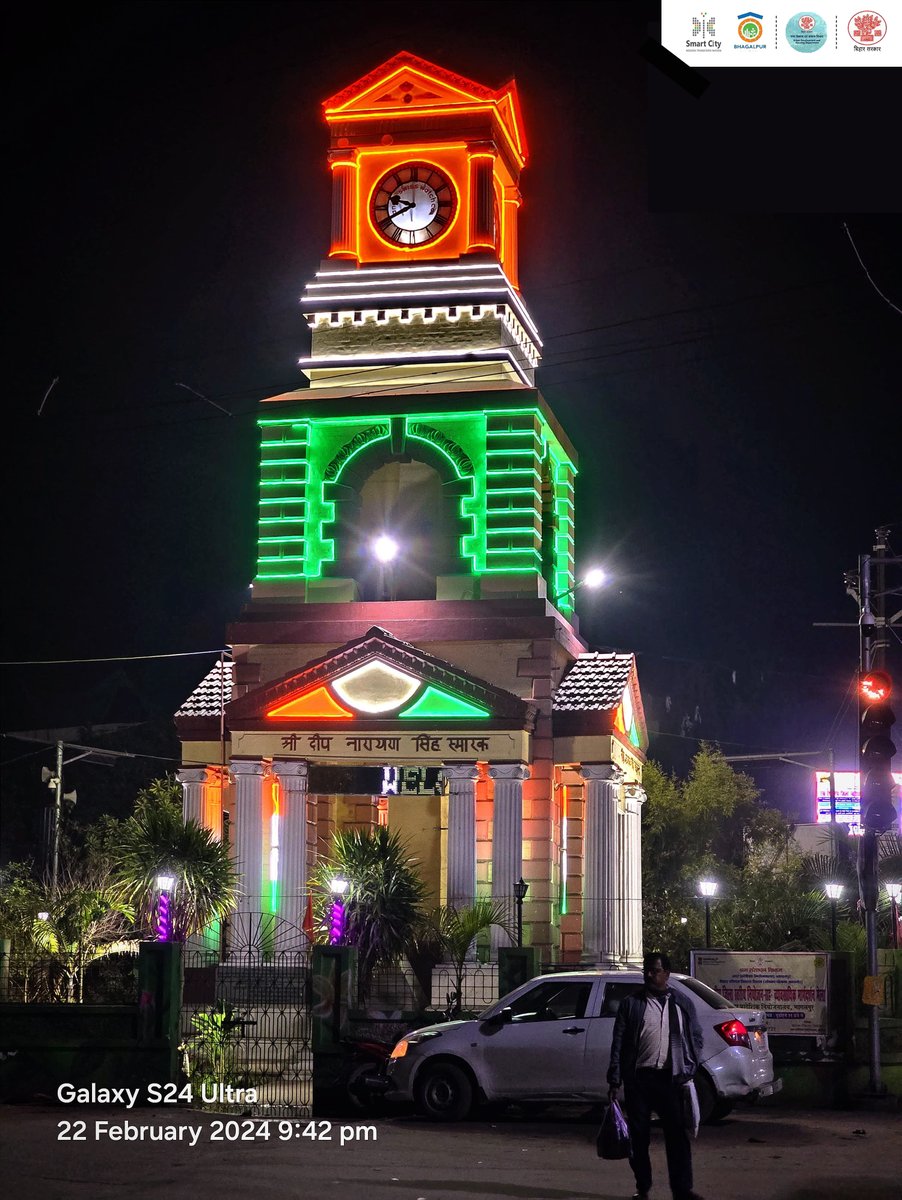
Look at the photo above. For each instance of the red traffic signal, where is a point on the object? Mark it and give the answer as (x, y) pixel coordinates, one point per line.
(875, 752)
(874, 686)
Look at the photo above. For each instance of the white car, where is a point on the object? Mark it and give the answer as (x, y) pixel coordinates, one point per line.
(550, 1039)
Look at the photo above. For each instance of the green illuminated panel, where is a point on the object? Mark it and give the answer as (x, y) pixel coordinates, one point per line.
(436, 702)
(499, 453)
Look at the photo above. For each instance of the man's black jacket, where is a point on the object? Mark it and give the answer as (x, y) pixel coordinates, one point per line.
(628, 1026)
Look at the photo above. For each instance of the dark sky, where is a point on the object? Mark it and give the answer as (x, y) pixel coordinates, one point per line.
(713, 346)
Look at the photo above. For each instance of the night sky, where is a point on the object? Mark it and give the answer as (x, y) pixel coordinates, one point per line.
(712, 345)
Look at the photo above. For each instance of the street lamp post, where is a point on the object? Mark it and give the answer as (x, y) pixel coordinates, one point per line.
(834, 892)
(708, 888)
(165, 884)
(337, 887)
(894, 891)
(521, 887)
(593, 578)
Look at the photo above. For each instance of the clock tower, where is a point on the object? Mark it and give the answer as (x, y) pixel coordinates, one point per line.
(439, 686)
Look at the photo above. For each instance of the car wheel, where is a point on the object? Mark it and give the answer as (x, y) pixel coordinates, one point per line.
(444, 1093)
(710, 1106)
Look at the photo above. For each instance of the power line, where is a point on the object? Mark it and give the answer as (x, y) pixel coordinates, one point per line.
(56, 662)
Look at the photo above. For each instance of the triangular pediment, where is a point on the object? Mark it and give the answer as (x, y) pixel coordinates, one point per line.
(378, 678)
(407, 83)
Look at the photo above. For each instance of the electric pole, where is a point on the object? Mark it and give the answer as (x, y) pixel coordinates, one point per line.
(875, 749)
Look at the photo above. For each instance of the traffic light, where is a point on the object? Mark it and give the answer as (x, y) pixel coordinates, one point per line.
(876, 750)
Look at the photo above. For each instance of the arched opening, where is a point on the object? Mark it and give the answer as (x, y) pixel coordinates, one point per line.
(407, 500)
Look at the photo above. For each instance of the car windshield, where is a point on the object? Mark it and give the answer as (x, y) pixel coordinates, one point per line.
(710, 997)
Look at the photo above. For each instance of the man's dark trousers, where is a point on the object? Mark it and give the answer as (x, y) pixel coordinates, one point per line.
(655, 1091)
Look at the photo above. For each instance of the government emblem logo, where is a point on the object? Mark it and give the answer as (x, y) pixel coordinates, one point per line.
(806, 32)
(867, 27)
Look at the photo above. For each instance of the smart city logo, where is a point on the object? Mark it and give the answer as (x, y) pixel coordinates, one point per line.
(703, 34)
(866, 29)
(751, 31)
(806, 32)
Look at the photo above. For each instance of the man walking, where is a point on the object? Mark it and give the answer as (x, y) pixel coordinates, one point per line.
(656, 1048)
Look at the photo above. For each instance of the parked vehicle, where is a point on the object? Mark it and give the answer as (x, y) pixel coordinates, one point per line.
(364, 1075)
(550, 1040)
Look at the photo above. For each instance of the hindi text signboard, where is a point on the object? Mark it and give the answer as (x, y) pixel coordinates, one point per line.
(790, 988)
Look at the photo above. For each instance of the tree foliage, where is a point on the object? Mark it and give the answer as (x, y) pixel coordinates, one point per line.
(448, 933)
(157, 840)
(384, 901)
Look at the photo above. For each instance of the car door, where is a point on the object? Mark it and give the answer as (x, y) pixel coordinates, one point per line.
(541, 1050)
(598, 1044)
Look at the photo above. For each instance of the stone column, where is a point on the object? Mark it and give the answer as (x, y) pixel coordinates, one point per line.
(247, 825)
(344, 196)
(632, 883)
(482, 198)
(507, 842)
(461, 831)
(292, 777)
(192, 780)
(601, 869)
(217, 781)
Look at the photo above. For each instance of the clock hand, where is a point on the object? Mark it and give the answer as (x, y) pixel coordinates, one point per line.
(406, 203)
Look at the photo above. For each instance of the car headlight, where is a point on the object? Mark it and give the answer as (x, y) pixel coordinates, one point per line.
(413, 1039)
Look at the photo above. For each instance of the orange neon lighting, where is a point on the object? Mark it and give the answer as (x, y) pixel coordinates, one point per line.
(318, 704)
(420, 154)
(439, 111)
(368, 94)
(618, 719)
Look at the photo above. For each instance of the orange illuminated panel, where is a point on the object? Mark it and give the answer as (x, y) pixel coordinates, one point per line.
(450, 160)
(316, 705)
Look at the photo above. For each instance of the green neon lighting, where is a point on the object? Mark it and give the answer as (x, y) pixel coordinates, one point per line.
(274, 896)
(416, 437)
(381, 437)
(505, 448)
(436, 702)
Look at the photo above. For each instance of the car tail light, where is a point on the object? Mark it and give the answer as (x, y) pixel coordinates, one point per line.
(734, 1033)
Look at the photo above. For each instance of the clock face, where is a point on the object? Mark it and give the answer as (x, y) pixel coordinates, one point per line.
(412, 204)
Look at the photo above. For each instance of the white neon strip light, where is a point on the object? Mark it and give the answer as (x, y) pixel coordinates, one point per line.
(356, 283)
(369, 296)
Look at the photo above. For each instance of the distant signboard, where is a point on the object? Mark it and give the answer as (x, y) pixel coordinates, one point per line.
(847, 798)
(790, 988)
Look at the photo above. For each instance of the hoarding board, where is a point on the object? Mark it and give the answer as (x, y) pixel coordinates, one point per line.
(790, 988)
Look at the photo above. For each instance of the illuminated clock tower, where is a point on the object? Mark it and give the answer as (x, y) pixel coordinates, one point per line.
(409, 655)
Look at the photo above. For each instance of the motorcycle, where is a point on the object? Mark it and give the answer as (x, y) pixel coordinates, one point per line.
(364, 1076)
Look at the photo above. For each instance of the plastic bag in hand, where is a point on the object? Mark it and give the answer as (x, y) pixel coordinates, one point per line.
(613, 1140)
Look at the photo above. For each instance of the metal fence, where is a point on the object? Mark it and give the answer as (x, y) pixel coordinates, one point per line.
(66, 979)
(247, 1030)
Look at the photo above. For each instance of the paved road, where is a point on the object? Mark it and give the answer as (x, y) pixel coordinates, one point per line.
(758, 1154)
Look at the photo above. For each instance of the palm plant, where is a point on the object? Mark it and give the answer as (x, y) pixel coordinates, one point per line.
(450, 932)
(157, 840)
(384, 900)
(84, 922)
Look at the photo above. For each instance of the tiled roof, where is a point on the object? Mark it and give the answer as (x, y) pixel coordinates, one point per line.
(214, 690)
(595, 681)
